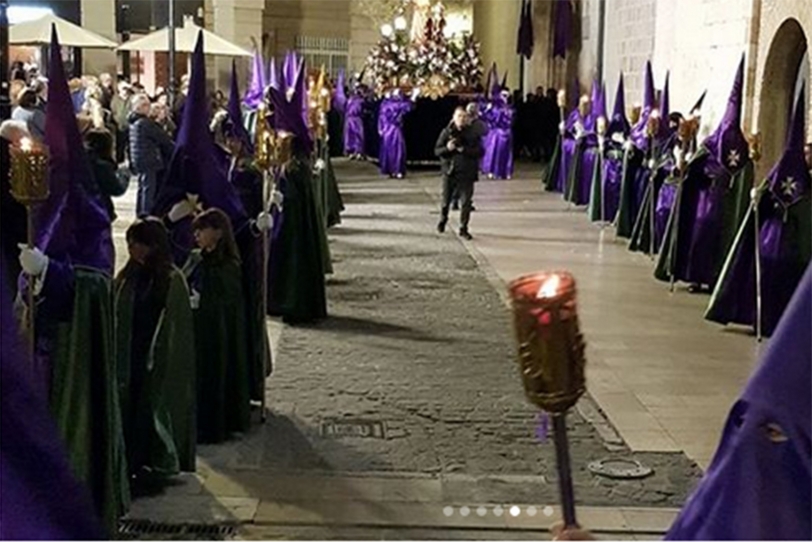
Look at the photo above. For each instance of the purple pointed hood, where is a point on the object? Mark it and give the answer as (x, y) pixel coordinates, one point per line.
(194, 167)
(340, 93)
(234, 126)
(599, 107)
(758, 486)
(287, 115)
(273, 74)
(489, 82)
(639, 133)
(789, 179)
(727, 144)
(72, 225)
(619, 122)
(256, 89)
(504, 85)
(594, 103)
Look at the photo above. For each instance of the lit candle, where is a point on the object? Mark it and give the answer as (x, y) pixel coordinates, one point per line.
(26, 145)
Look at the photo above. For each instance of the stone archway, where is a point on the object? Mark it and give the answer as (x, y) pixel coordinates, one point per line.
(786, 66)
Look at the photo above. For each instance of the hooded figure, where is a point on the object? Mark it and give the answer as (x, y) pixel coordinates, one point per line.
(784, 226)
(579, 182)
(390, 127)
(354, 144)
(498, 142)
(635, 176)
(259, 80)
(335, 117)
(74, 362)
(42, 499)
(603, 202)
(759, 484)
(660, 168)
(711, 202)
(296, 272)
(571, 127)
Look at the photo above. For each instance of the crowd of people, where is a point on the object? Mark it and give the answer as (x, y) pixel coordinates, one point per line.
(138, 365)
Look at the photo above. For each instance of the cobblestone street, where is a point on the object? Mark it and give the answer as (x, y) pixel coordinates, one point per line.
(407, 400)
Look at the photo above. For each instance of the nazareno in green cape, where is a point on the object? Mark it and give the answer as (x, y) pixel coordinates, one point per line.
(159, 422)
(223, 381)
(84, 395)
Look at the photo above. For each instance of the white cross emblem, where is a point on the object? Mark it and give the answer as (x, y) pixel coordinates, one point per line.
(733, 158)
(789, 186)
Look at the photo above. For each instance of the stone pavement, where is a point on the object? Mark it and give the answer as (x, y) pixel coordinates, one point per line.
(407, 400)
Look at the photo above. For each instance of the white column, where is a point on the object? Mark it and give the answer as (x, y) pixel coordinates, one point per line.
(99, 17)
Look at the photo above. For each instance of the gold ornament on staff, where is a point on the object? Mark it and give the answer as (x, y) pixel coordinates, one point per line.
(551, 359)
(29, 186)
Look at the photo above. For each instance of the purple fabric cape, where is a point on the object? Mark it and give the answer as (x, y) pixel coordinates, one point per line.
(757, 487)
(526, 39)
(256, 89)
(393, 143)
(562, 27)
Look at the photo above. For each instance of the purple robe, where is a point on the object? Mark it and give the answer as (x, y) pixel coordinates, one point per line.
(354, 126)
(759, 484)
(665, 203)
(498, 158)
(611, 179)
(393, 143)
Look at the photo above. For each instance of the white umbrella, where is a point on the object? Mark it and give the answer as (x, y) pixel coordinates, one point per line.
(185, 40)
(38, 32)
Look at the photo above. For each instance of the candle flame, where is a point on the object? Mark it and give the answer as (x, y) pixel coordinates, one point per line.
(26, 144)
(549, 287)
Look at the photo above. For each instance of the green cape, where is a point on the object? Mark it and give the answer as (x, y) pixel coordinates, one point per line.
(549, 177)
(735, 205)
(164, 429)
(84, 395)
(625, 220)
(223, 381)
(320, 179)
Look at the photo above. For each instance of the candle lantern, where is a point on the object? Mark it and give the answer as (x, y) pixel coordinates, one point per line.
(29, 186)
(601, 126)
(551, 359)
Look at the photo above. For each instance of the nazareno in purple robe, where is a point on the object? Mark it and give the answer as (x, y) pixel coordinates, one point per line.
(498, 158)
(759, 484)
(568, 145)
(40, 499)
(354, 126)
(393, 143)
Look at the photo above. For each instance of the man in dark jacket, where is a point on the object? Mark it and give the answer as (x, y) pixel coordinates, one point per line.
(150, 151)
(459, 149)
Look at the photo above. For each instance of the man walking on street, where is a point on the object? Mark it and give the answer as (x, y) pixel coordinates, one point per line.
(459, 150)
(150, 151)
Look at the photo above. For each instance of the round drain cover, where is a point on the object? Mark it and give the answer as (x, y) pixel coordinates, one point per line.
(620, 469)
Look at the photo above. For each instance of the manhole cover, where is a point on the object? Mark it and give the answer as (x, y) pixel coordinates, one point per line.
(353, 429)
(620, 469)
(132, 529)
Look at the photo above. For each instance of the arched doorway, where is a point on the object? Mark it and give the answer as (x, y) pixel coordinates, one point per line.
(786, 69)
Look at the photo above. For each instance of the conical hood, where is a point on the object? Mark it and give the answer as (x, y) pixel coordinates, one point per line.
(599, 107)
(273, 74)
(698, 105)
(639, 133)
(594, 99)
(340, 93)
(234, 126)
(789, 179)
(194, 167)
(504, 84)
(492, 77)
(287, 116)
(256, 89)
(290, 69)
(496, 87)
(728, 144)
(72, 224)
(619, 122)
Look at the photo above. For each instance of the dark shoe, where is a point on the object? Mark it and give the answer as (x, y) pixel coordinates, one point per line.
(441, 226)
(472, 207)
(455, 206)
(465, 235)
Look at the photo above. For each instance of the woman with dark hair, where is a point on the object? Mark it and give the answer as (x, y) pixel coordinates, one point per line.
(155, 355)
(99, 147)
(223, 381)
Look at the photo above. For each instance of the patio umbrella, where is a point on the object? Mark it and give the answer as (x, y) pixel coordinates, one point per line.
(185, 39)
(38, 32)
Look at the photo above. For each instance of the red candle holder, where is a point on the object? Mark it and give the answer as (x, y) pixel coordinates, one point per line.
(551, 347)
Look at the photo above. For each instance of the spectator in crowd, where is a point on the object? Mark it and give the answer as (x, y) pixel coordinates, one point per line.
(28, 112)
(150, 151)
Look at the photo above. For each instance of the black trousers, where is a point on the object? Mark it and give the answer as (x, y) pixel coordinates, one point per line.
(464, 190)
